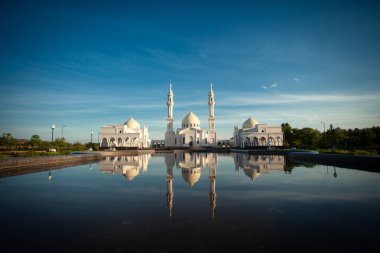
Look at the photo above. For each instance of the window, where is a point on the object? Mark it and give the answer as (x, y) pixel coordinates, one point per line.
(183, 140)
(205, 141)
(175, 141)
(120, 131)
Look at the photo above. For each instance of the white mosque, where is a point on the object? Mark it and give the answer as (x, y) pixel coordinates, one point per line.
(190, 134)
(254, 134)
(126, 135)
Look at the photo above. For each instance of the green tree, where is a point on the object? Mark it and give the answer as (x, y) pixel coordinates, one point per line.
(61, 143)
(77, 146)
(35, 141)
(7, 141)
(340, 137)
(310, 138)
(367, 137)
(288, 134)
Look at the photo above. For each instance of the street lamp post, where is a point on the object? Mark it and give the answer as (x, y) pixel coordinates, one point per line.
(324, 129)
(62, 131)
(92, 133)
(52, 133)
(332, 135)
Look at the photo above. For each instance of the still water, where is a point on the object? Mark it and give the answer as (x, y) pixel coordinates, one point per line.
(182, 202)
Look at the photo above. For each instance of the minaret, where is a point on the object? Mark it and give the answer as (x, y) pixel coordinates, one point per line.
(211, 118)
(170, 104)
(169, 135)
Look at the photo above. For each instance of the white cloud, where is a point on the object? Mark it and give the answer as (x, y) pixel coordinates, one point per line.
(296, 79)
(265, 87)
(274, 85)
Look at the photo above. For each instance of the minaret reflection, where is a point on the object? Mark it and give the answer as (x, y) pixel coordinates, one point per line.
(212, 165)
(169, 162)
(254, 165)
(49, 176)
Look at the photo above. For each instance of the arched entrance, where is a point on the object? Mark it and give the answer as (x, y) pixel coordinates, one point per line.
(191, 142)
(112, 142)
(104, 142)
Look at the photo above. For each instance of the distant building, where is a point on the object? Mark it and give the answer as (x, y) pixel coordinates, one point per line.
(254, 134)
(124, 135)
(190, 134)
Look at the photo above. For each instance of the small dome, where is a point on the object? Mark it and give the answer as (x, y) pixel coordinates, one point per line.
(190, 120)
(132, 123)
(250, 123)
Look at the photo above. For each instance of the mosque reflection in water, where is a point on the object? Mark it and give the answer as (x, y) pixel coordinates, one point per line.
(191, 166)
(254, 165)
(128, 166)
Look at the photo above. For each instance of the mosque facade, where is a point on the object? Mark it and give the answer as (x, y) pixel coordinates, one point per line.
(254, 134)
(126, 135)
(190, 134)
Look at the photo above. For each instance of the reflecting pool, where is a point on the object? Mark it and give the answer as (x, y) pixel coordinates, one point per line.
(191, 202)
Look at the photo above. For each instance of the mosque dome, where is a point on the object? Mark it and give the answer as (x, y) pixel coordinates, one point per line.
(191, 176)
(132, 123)
(190, 120)
(250, 123)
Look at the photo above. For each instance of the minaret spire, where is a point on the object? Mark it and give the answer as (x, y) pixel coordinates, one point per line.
(211, 118)
(169, 135)
(170, 105)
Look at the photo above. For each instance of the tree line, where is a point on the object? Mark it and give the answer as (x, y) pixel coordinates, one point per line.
(309, 138)
(8, 142)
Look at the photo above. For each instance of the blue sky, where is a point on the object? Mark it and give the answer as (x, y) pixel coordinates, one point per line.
(85, 64)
